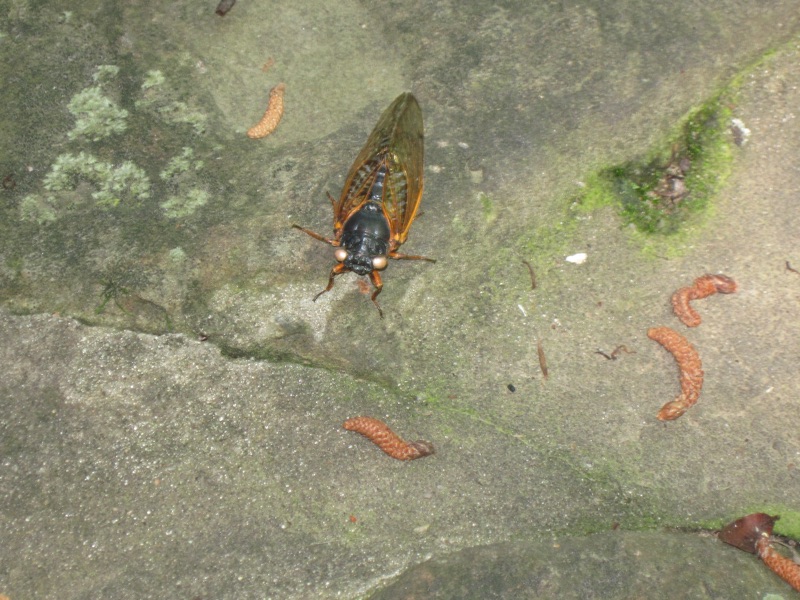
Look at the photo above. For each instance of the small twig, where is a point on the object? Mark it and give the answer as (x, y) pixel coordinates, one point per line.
(620, 348)
(791, 268)
(542, 359)
(533, 275)
(615, 352)
(224, 6)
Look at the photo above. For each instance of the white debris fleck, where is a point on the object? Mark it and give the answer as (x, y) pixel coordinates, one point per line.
(578, 258)
(740, 133)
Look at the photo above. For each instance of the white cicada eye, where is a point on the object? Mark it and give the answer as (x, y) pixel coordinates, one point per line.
(379, 263)
(340, 254)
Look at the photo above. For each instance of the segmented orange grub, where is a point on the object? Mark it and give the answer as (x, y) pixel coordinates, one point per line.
(753, 533)
(703, 287)
(387, 440)
(786, 569)
(272, 116)
(691, 371)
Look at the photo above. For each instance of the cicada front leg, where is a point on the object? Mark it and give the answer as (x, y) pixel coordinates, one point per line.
(375, 278)
(337, 269)
(398, 256)
(316, 236)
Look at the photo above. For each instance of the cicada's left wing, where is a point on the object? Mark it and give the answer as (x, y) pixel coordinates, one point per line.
(357, 186)
(370, 159)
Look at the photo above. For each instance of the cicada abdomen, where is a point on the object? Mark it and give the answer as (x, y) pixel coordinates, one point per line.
(380, 197)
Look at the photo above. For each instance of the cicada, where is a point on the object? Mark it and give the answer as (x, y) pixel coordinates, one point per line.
(380, 197)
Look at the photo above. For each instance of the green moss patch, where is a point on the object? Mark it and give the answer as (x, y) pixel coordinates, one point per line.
(663, 192)
(789, 522)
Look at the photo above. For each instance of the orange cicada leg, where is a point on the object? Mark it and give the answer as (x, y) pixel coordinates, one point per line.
(398, 256)
(338, 269)
(375, 278)
(316, 236)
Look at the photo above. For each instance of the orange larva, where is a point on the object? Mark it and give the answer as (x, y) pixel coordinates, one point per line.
(785, 568)
(703, 286)
(387, 440)
(691, 371)
(753, 533)
(272, 116)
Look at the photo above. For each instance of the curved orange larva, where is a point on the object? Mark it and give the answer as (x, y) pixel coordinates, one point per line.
(786, 569)
(272, 116)
(703, 286)
(691, 371)
(387, 440)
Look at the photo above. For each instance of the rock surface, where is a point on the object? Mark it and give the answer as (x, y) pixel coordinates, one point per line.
(137, 461)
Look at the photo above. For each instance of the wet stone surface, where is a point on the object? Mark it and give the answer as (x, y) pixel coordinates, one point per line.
(172, 401)
(608, 565)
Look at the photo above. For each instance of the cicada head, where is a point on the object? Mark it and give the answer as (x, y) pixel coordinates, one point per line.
(364, 243)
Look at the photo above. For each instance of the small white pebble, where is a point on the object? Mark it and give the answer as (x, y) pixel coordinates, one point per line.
(578, 258)
(743, 132)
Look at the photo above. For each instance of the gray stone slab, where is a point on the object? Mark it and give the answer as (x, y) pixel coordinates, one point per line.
(138, 461)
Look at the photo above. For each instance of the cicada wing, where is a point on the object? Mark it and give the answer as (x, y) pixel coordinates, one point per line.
(395, 143)
(364, 170)
(404, 155)
(356, 188)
